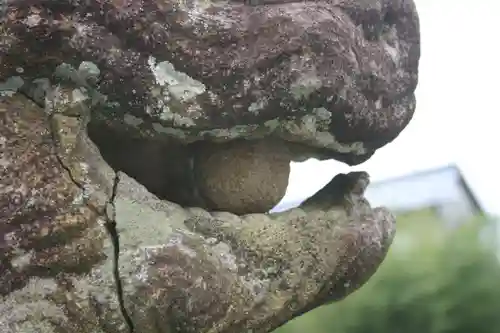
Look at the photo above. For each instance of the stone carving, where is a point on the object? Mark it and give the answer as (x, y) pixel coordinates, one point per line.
(119, 208)
(338, 76)
(242, 177)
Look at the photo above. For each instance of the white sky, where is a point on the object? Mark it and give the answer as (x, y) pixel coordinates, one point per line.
(457, 116)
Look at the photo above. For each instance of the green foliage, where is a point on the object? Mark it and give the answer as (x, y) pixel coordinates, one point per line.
(434, 280)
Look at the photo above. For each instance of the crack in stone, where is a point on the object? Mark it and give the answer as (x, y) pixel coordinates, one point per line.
(110, 221)
(115, 239)
(58, 157)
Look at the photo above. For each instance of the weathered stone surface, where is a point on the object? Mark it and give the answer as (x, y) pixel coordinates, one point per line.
(55, 256)
(107, 219)
(67, 216)
(338, 76)
(242, 176)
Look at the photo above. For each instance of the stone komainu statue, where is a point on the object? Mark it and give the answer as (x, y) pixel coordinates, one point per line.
(143, 141)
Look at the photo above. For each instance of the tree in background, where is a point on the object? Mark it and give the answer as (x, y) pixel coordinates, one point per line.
(434, 280)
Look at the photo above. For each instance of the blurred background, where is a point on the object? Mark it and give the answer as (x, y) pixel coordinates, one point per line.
(435, 279)
(442, 274)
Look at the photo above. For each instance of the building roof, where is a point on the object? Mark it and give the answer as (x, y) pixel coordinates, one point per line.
(430, 188)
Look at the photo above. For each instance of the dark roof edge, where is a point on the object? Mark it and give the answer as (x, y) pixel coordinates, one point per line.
(470, 193)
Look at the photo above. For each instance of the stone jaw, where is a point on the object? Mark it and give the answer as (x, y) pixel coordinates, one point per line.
(179, 269)
(343, 85)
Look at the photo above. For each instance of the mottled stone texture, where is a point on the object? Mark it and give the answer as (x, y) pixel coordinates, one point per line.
(336, 75)
(131, 196)
(242, 176)
(51, 240)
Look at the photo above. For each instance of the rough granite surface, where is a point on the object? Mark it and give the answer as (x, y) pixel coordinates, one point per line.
(336, 75)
